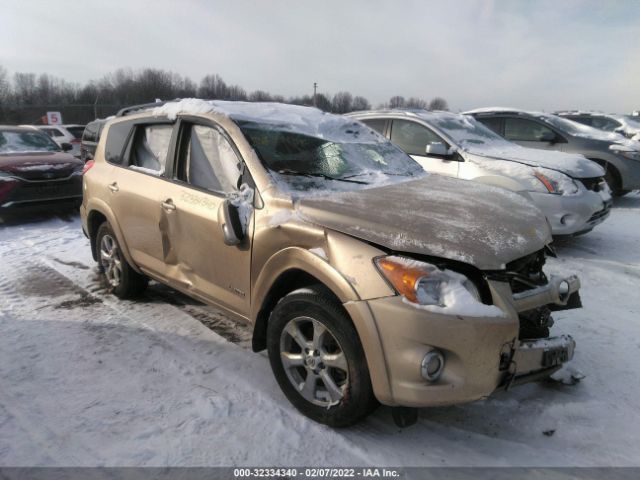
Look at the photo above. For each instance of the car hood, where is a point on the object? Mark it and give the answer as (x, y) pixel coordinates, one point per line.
(35, 165)
(459, 220)
(572, 164)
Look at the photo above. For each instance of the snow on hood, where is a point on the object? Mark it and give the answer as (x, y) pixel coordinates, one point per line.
(295, 118)
(574, 165)
(438, 216)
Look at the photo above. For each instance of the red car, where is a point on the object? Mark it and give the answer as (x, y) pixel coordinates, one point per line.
(35, 173)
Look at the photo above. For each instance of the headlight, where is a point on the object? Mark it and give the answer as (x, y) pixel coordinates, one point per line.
(550, 181)
(423, 283)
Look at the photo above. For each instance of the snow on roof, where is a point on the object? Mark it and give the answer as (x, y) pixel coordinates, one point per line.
(295, 118)
(493, 110)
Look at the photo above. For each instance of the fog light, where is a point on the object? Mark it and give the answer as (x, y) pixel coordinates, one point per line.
(563, 291)
(432, 365)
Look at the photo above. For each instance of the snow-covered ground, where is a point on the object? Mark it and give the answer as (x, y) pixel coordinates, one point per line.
(86, 379)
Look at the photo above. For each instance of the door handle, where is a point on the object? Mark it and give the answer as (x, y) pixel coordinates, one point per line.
(114, 187)
(168, 204)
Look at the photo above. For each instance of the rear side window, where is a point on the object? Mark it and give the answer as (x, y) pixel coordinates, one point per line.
(521, 129)
(150, 148)
(412, 137)
(207, 160)
(116, 139)
(377, 124)
(494, 124)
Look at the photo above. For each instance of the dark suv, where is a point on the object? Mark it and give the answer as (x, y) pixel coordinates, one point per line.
(90, 139)
(618, 155)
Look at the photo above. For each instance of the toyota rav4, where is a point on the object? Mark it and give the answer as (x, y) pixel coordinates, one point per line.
(365, 278)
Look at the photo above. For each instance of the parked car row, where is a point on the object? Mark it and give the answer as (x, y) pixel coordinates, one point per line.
(366, 278)
(568, 188)
(388, 256)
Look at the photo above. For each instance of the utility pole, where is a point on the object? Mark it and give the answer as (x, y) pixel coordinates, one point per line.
(315, 87)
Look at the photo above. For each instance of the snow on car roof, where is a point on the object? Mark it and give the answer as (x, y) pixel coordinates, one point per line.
(494, 110)
(295, 118)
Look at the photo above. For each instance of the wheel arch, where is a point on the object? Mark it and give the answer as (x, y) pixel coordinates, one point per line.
(98, 213)
(289, 270)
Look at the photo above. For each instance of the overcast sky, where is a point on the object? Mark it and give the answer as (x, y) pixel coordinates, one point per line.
(530, 54)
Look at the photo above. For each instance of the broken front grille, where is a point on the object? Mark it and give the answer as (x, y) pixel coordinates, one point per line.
(594, 184)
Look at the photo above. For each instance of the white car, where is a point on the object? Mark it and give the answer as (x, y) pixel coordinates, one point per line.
(65, 134)
(569, 189)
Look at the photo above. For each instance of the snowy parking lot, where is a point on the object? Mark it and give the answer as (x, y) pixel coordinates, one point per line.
(87, 379)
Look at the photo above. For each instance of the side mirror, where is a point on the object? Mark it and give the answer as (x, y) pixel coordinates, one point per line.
(66, 147)
(548, 137)
(231, 224)
(438, 149)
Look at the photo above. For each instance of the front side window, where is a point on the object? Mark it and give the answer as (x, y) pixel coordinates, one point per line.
(208, 161)
(523, 130)
(150, 147)
(412, 137)
(25, 141)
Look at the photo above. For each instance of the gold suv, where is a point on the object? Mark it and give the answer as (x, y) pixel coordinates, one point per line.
(366, 278)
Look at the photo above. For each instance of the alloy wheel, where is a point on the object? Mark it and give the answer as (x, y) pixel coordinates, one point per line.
(111, 260)
(314, 361)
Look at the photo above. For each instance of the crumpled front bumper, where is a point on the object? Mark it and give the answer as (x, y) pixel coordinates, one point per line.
(481, 354)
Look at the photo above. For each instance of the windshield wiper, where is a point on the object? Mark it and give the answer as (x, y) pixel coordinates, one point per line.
(408, 174)
(320, 175)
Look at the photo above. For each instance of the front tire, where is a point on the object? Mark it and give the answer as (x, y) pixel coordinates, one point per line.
(122, 280)
(317, 358)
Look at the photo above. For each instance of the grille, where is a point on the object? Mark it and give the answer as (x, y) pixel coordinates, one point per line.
(44, 190)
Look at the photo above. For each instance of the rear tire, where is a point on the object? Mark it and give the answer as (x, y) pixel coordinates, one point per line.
(317, 358)
(123, 281)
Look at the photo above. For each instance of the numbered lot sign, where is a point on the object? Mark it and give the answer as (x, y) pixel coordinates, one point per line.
(54, 118)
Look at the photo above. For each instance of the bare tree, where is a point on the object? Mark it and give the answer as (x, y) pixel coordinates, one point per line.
(360, 103)
(438, 103)
(5, 86)
(260, 96)
(212, 86)
(415, 102)
(397, 102)
(342, 102)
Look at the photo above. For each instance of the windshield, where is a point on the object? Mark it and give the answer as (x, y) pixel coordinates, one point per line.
(571, 127)
(307, 162)
(466, 131)
(22, 141)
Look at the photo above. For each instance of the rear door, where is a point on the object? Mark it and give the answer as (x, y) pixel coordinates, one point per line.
(136, 187)
(208, 170)
(413, 138)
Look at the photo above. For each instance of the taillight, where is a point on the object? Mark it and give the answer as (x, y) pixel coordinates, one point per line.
(87, 166)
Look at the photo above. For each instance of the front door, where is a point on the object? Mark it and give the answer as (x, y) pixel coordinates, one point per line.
(413, 138)
(208, 170)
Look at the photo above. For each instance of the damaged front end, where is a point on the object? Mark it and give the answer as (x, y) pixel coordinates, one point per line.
(535, 354)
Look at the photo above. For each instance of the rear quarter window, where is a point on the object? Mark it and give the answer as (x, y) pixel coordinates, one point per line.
(117, 136)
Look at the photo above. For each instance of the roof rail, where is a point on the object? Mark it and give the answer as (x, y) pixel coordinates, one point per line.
(142, 106)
